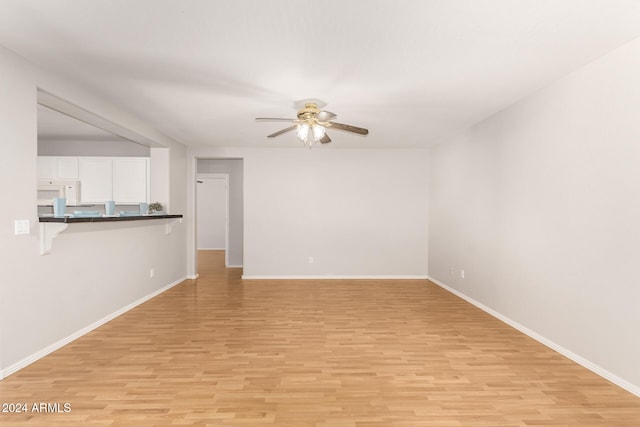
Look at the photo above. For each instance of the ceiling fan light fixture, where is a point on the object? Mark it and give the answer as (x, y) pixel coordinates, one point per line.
(318, 132)
(303, 131)
(311, 125)
(310, 133)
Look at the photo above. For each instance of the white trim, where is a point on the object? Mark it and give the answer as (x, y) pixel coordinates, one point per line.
(332, 277)
(193, 276)
(59, 344)
(234, 266)
(211, 249)
(631, 388)
(192, 214)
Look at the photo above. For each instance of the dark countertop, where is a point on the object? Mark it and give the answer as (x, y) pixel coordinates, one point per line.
(71, 219)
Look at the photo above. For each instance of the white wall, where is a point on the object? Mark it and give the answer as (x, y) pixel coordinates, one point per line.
(93, 270)
(540, 205)
(357, 212)
(232, 167)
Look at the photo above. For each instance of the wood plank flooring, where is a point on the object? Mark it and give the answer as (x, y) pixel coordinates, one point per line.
(218, 351)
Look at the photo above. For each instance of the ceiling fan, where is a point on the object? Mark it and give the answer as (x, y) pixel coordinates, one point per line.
(311, 125)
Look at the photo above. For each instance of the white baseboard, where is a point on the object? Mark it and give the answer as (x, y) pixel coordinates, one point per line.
(55, 346)
(193, 276)
(333, 277)
(211, 249)
(234, 266)
(631, 388)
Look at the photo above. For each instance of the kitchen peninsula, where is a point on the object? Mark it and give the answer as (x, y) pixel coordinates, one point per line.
(71, 219)
(51, 226)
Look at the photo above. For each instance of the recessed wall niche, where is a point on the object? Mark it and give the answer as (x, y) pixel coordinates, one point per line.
(67, 131)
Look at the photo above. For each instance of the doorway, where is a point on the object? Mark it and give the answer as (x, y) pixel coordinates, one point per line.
(212, 214)
(208, 167)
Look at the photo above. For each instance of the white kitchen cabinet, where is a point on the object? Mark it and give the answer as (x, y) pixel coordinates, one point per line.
(59, 168)
(123, 179)
(67, 168)
(96, 179)
(130, 180)
(46, 167)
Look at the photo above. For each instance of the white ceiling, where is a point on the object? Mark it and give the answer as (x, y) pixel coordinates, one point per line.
(412, 71)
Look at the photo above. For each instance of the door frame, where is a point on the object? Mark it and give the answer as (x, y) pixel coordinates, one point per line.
(225, 177)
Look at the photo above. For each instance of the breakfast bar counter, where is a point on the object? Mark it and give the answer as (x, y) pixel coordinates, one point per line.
(71, 219)
(52, 226)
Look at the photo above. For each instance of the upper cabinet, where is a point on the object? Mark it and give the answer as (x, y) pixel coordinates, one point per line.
(131, 180)
(60, 168)
(96, 179)
(123, 179)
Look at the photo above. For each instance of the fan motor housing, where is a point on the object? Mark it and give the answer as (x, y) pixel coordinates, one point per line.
(309, 110)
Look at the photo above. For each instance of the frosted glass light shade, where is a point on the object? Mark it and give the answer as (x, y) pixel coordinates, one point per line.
(303, 131)
(318, 132)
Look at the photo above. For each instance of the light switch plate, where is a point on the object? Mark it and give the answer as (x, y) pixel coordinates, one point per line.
(22, 226)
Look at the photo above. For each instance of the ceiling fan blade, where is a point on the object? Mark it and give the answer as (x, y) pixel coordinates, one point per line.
(280, 132)
(325, 139)
(349, 128)
(323, 116)
(271, 119)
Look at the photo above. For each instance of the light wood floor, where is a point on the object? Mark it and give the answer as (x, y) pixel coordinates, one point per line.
(222, 352)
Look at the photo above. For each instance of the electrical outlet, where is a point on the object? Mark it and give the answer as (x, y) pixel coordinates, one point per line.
(462, 274)
(22, 226)
(152, 272)
(310, 260)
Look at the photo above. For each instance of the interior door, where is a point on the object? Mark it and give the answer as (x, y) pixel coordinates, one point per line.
(212, 213)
